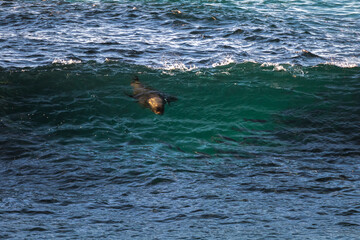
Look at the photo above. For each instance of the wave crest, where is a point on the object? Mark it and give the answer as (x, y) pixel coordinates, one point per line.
(226, 61)
(66, 62)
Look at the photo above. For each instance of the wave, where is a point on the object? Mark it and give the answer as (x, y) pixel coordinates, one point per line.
(226, 65)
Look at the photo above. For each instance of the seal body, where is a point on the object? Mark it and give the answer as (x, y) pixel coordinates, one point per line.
(149, 98)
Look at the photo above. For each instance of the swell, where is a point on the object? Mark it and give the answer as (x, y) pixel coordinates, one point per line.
(234, 110)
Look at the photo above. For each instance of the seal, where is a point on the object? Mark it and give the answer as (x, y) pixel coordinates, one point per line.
(150, 98)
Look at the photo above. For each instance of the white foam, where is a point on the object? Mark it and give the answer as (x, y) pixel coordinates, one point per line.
(65, 62)
(226, 61)
(277, 67)
(344, 64)
(177, 65)
(111, 60)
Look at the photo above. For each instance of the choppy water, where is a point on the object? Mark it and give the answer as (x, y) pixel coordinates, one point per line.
(263, 142)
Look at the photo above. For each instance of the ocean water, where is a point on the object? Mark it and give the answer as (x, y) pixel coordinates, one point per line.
(262, 143)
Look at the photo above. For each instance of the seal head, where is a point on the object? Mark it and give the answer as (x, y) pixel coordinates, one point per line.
(156, 104)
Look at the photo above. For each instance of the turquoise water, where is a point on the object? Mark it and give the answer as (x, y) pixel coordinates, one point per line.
(262, 142)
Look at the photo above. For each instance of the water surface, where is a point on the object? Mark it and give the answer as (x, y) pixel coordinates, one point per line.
(262, 143)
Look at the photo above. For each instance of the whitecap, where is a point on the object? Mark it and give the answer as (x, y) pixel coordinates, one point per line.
(344, 64)
(276, 66)
(66, 62)
(226, 61)
(169, 65)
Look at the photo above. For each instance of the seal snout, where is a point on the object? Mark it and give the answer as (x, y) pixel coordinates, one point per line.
(159, 111)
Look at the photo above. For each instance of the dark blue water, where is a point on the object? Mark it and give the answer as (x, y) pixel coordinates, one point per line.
(262, 143)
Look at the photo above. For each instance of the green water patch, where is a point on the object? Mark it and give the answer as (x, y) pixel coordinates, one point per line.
(238, 109)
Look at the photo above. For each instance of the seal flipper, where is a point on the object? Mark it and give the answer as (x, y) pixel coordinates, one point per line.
(168, 99)
(129, 95)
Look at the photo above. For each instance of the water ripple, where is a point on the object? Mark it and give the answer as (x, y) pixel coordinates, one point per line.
(263, 140)
(148, 26)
